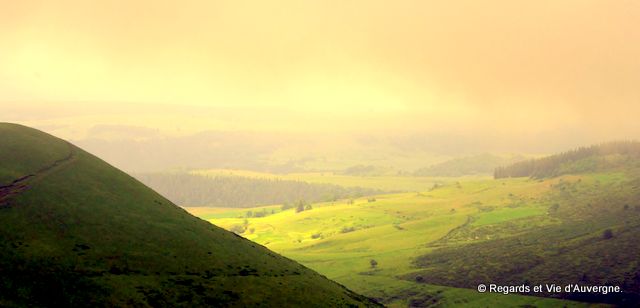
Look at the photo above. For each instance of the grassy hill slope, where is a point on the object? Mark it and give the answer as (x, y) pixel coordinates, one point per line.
(594, 242)
(83, 233)
(19, 155)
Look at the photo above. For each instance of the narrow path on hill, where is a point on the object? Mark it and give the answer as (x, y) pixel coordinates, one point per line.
(21, 184)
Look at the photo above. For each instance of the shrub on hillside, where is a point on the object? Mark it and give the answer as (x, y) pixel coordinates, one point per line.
(347, 229)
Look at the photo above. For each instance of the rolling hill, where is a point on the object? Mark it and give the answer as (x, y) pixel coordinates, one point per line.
(75, 231)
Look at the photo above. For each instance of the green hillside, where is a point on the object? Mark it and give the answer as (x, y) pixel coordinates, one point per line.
(592, 242)
(19, 155)
(78, 232)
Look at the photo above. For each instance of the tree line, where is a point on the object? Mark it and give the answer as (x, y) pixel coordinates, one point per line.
(558, 164)
(236, 191)
(469, 165)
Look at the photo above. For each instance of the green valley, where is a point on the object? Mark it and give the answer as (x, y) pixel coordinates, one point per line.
(435, 245)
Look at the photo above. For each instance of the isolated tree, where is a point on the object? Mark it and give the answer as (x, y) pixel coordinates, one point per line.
(300, 208)
(249, 214)
(308, 207)
(373, 263)
(237, 229)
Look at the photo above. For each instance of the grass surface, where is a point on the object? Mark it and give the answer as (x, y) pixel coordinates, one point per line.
(25, 150)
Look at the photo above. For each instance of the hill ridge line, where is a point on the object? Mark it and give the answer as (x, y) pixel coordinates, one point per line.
(21, 184)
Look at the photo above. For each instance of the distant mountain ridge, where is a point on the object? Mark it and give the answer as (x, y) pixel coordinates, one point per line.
(593, 158)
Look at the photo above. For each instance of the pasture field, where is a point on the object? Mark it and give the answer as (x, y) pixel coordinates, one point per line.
(339, 239)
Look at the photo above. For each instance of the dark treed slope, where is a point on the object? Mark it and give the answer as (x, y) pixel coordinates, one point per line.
(235, 191)
(482, 164)
(83, 233)
(585, 159)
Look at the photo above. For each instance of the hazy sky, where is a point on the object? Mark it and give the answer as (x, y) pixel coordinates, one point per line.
(501, 67)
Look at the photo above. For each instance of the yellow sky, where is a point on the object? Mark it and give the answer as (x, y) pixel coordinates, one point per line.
(507, 66)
